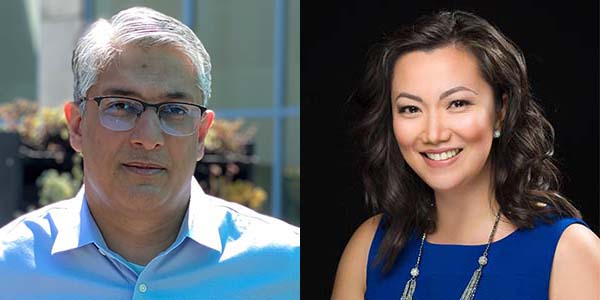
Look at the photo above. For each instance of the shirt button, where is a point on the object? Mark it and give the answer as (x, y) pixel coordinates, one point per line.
(142, 288)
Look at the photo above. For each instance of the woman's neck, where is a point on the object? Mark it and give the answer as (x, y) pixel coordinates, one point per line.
(466, 215)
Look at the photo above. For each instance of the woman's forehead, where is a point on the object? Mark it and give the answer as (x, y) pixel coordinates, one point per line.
(437, 70)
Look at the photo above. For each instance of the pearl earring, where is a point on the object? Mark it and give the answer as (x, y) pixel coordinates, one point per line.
(497, 133)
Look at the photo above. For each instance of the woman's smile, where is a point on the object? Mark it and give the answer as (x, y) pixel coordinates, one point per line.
(441, 155)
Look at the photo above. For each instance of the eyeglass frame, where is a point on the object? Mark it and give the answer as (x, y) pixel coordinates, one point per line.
(145, 105)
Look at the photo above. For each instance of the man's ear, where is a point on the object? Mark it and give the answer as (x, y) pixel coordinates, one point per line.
(207, 121)
(73, 116)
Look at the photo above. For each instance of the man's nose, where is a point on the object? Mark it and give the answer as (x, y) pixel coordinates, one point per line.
(147, 132)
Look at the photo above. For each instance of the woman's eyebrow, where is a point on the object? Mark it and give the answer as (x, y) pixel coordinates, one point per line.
(409, 96)
(442, 95)
(456, 89)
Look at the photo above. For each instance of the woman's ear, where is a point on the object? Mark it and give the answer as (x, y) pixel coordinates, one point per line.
(73, 116)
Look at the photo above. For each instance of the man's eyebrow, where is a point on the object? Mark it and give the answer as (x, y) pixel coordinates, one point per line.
(456, 89)
(172, 95)
(176, 95)
(120, 92)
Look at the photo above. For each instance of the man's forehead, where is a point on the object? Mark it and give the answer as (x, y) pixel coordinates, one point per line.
(133, 55)
(162, 71)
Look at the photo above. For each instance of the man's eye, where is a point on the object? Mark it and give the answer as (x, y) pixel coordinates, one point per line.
(175, 110)
(121, 108)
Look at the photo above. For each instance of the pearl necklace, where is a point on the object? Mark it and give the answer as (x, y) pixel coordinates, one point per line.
(469, 292)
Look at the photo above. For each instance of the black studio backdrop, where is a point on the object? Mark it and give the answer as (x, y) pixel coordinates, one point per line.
(560, 43)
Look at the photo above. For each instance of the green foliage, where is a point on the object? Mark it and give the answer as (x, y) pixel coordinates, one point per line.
(229, 140)
(38, 126)
(227, 137)
(236, 190)
(54, 186)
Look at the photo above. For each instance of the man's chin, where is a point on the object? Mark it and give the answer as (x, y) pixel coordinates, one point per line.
(145, 193)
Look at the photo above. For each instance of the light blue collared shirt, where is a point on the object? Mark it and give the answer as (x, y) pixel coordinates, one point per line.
(223, 251)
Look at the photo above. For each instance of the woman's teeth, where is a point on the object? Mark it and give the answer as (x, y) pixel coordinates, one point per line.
(443, 155)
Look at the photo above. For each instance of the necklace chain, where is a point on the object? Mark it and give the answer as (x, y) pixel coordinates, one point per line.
(469, 292)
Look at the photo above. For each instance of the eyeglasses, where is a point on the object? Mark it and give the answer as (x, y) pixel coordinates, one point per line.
(119, 113)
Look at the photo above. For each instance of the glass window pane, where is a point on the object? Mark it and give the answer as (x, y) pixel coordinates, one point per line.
(293, 54)
(107, 8)
(239, 38)
(261, 174)
(291, 171)
(17, 54)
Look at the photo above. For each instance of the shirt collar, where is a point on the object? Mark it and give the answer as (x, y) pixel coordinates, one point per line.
(203, 221)
(77, 228)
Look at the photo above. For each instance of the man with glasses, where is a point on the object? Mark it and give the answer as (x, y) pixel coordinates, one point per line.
(141, 227)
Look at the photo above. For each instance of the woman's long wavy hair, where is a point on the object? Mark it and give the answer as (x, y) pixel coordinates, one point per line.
(524, 175)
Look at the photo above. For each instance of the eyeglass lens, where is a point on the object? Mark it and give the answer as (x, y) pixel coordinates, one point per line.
(176, 119)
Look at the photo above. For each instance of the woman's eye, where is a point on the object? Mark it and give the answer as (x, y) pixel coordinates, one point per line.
(458, 103)
(408, 109)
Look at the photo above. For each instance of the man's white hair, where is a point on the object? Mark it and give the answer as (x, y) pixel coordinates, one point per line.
(142, 27)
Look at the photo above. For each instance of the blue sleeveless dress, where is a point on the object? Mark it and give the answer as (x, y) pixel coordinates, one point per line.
(518, 267)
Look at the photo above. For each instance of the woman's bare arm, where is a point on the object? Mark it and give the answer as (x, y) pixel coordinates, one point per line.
(576, 267)
(351, 276)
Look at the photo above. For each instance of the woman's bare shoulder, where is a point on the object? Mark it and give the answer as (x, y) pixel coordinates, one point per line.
(369, 226)
(351, 276)
(363, 236)
(576, 266)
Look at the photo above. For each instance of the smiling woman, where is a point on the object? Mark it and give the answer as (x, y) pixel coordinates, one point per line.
(457, 165)
(444, 123)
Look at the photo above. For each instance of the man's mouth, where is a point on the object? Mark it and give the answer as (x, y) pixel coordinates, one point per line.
(439, 156)
(144, 168)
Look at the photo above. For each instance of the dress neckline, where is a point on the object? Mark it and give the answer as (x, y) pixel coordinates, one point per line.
(495, 243)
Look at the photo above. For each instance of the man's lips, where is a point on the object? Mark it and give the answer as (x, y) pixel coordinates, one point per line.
(143, 165)
(144, 168)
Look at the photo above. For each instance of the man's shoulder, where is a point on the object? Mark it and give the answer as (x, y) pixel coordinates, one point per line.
(250, 224)
(38, 225)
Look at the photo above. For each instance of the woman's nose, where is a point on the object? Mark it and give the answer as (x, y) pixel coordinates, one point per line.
(435, 131)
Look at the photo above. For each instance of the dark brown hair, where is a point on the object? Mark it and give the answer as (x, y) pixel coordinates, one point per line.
(524, 174)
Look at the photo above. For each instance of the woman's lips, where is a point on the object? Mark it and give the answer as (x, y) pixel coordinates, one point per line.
(441, 155)
(441, 158)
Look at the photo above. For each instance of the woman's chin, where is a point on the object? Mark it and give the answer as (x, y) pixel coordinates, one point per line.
(443, 184)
